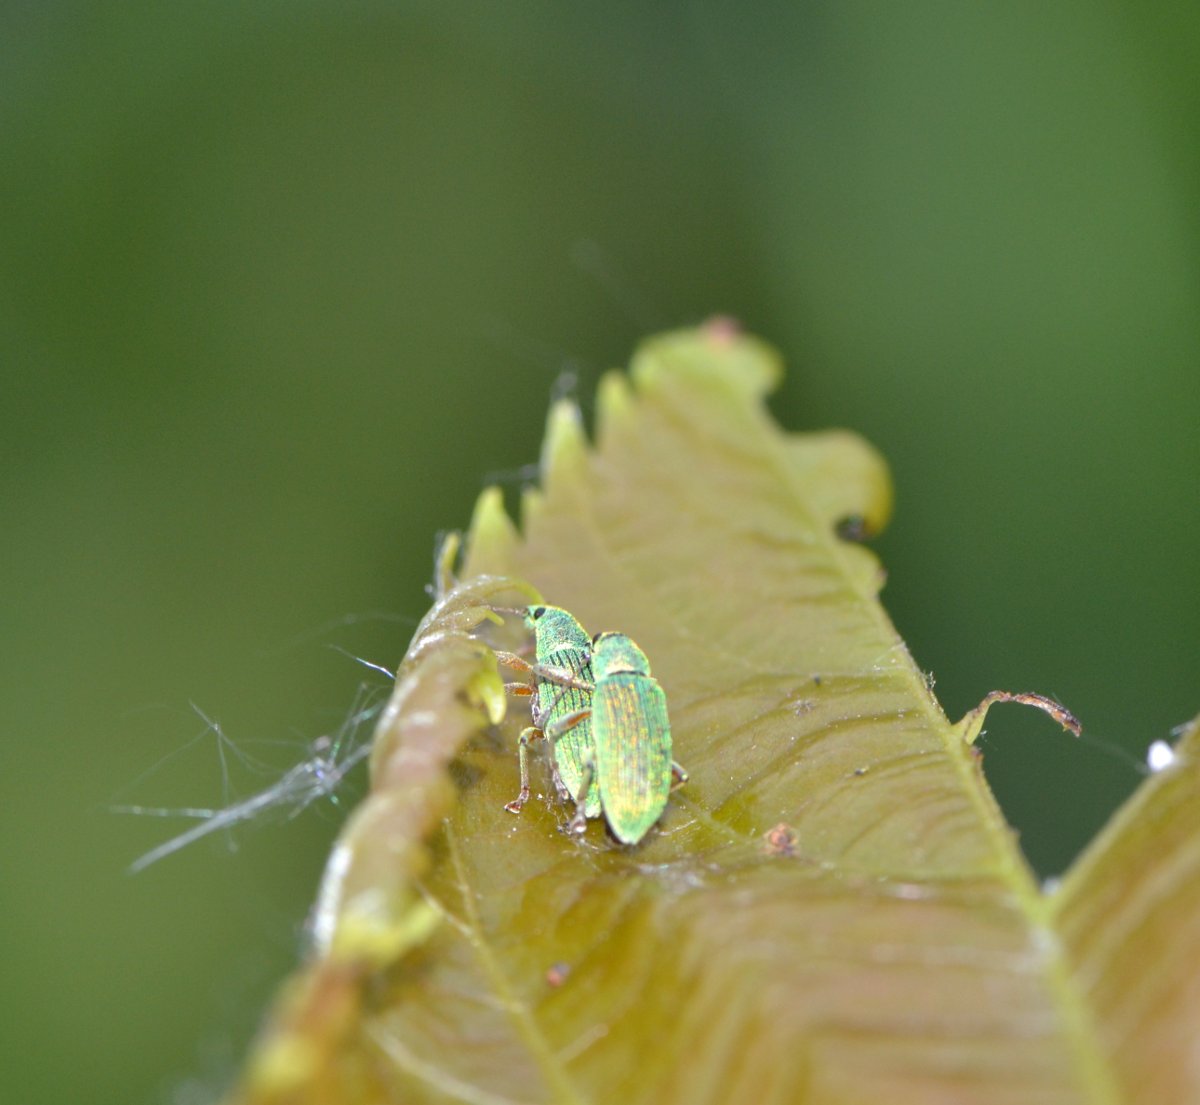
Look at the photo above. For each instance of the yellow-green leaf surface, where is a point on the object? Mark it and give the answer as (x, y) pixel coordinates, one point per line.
(832, 910)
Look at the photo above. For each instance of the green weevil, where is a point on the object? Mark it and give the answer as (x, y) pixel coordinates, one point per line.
(562, 692)
(630, 740)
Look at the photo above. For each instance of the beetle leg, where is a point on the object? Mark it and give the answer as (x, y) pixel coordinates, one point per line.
(538, 714)
(579, 821)
(512, 660)
(527, 735)
(559, 785)
(680, 775)
(565, 724)
(561, 677)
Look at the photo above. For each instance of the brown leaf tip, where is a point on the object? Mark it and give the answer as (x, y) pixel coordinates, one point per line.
(722, 330)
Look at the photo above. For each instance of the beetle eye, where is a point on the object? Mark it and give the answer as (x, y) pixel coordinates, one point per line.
(536, 611)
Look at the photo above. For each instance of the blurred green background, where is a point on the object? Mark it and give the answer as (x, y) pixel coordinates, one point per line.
(283, 284)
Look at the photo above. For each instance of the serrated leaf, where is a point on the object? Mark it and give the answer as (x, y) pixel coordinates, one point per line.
(831, 910)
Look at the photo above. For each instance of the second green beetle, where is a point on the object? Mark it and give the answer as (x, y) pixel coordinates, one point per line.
(631, 740)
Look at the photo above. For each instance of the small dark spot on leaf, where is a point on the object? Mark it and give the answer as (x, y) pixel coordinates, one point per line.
(556, 974)
(780, 841)
(853, 527)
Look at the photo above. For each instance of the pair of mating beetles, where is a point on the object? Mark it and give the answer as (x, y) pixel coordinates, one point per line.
(605, 718)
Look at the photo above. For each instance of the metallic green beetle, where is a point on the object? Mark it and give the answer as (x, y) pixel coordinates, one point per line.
(630, 739)
(562, 699)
